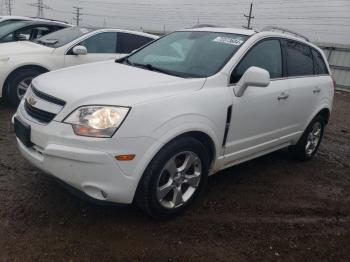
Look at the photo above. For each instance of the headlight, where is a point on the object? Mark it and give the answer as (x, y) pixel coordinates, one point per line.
(97, 121)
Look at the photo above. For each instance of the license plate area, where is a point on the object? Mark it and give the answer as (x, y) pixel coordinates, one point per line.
(23, 132)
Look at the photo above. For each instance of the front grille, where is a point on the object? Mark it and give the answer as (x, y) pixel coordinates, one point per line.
(48, 98)
(42, 116)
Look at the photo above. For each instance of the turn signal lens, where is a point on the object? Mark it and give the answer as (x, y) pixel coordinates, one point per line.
(125, 157)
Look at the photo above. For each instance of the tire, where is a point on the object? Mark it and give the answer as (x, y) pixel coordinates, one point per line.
(308, 144)
(19, 82)
(164, 179)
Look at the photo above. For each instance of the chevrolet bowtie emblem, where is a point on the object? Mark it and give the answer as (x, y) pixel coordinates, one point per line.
(31, 100)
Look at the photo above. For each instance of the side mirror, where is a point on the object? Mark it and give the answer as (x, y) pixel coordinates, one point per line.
(80, 50)
(254, 76)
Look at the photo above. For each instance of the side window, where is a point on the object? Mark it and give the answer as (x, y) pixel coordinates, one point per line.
(8, 38)
(319, 64)
(42, 30)
(299, 59)
(129, 42)
(24, 34)
(266, 54)
(101, 43)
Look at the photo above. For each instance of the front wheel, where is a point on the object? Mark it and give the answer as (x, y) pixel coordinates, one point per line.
(310, 141)
(19, 83)
(174, 178)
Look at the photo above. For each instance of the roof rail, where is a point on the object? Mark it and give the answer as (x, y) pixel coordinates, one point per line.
(49, 19)
(284, 30)
(203, 25)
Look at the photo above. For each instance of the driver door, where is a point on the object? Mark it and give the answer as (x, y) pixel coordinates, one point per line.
(100, 47)
(259, 117)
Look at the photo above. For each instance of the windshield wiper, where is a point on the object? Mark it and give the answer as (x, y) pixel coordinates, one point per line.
(124, 59)
(155, 69)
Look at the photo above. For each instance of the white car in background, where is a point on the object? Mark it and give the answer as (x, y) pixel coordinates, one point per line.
(152, 126)
(8, 19)
(20, 62)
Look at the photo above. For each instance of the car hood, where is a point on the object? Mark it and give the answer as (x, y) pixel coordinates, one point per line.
(111, 83)
(23, 48)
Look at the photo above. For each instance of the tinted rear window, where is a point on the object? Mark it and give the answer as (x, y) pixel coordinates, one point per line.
(320, 66)
(299, 59)
(130, 42)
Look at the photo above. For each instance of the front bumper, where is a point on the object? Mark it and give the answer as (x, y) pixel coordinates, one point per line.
(87, 164)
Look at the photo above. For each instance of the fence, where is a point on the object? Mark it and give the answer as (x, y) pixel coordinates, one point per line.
(339, 59)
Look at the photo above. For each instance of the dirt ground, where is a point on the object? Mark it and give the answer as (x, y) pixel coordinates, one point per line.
(268, 209)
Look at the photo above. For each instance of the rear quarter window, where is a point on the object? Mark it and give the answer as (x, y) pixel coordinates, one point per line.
(319, 63)
(130, 42)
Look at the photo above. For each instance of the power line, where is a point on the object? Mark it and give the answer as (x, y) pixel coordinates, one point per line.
(40, 7)
(9, 6)
(77, 14)
(249, 17)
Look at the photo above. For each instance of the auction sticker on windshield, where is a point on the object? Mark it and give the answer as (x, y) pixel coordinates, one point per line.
(228, 40)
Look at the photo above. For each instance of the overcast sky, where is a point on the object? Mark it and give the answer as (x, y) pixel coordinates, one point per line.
(321, 20)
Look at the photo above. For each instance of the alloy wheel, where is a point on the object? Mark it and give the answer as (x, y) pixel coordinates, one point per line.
(23, 87)
(179, 180)
(313, 139)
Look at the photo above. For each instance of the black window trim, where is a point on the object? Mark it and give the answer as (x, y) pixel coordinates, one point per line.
(284, 59)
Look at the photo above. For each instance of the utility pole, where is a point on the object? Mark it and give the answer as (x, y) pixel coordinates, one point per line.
(9, 6)
(39, 4)
(77, 14)
(249, 17)
(104, 22)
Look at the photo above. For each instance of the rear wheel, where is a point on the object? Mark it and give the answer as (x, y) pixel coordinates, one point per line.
(19, 83)
(174, 178)
(310, 141)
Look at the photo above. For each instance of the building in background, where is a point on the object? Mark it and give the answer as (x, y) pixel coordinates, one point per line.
(338, 56)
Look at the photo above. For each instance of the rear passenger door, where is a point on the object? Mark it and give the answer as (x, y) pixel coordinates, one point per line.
(100, 47)
(303, 84)
(130, 42)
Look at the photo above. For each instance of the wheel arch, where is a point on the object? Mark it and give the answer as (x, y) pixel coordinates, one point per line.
(325, 113)
(201, 136)
(22, 67)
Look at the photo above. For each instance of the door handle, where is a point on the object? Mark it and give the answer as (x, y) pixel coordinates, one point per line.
(283, 96)
(317, 90)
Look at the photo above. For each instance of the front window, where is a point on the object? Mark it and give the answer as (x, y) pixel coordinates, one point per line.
(188, 54)
(102, 43)
(63, 37)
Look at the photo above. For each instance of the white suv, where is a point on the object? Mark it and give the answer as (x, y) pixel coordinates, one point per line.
(150, 128)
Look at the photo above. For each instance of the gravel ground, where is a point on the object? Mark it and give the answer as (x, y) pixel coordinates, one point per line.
(268, 209)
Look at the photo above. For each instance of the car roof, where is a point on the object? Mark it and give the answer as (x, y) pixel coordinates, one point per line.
(123, 31)
(219, 29)
(43, 22)
(26, 18)
(7, 17)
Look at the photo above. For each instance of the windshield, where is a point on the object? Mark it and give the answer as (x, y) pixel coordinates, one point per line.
(188, 54)
(63, 37)
(7, 27)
